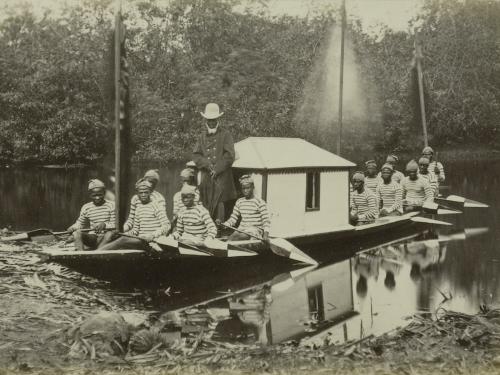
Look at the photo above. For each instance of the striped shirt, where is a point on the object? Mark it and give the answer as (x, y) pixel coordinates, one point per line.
(155, 197)
(441, 176)
(391, 196)
(179, 206)
(91, 215)
(432, 180)
(372, 183)
(417, 192)
(397, 176)
(150, 219)
(252, 212)
(364, 205)
(196, 221)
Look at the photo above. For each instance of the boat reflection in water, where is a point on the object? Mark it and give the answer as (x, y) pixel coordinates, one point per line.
(368, 294)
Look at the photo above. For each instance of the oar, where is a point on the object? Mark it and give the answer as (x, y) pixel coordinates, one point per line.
(420, 219)
(30, 235)
(182, 248)
(280, 247)
(433, 208)
(468, 203)
(284, 281)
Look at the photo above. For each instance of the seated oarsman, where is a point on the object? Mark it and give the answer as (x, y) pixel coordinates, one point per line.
(251, 212)
(434, 166)
(187, 178)
(150, 222)
(153, 177)
(416, 190)
(424, 172)
(194, 224)
(99, 214)
(371, 178)
(363, 202)
(396, 175)
(389, 193)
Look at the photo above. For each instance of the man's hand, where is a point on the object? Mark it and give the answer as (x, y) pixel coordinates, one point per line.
(176, 235)
(100, 227)
(384, 212)
(212, 173)
(218, 222)
(71, 229)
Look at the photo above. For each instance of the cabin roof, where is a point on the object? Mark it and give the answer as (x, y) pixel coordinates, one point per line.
(284, 153)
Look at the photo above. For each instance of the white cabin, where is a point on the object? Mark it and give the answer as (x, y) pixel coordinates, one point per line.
(306, 188)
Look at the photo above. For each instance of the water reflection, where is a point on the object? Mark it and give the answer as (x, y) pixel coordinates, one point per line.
(369, 293)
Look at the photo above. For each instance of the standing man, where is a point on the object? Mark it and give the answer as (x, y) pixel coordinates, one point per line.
(214, 155)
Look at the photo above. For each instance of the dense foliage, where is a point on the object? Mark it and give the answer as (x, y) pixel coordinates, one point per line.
(54, 78)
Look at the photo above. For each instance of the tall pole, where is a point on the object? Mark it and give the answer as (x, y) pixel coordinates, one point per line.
(418, 58)
(118, 150)
(341, 78)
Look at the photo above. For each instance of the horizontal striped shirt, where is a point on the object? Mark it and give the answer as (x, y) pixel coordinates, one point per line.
(196, 221)
(440, 176)
(391, 196)
(155, 197)
(432, 180)
(364, 205)
(252, 212)
(179, 206)
(372, 183)
(150, 219)
(91, 215)
(416, 192)
(397, 176)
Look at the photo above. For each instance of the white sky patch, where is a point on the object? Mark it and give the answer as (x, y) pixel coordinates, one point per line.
(393, 13)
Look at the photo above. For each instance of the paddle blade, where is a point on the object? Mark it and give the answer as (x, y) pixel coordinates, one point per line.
(471, 232)
(17, 237)
(283, 248)
(167, 241)
(233, 252)
(474, 204)
(445, 211)
(425, 220)
(188, 250)
(455, 198)
(430, 207)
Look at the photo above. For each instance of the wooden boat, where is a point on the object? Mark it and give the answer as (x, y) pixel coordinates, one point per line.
(236, 252)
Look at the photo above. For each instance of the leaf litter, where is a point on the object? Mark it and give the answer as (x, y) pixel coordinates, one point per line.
(54, 320)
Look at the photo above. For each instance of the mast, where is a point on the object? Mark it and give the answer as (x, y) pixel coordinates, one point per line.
(117, 69)
(341, 78)
(121, 120)
(418, 60)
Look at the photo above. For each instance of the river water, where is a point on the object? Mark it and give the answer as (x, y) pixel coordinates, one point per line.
(359, 289)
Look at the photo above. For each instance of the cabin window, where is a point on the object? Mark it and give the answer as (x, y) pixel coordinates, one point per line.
(312, 191)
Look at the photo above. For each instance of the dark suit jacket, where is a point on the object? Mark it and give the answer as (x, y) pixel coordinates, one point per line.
(221, 162)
